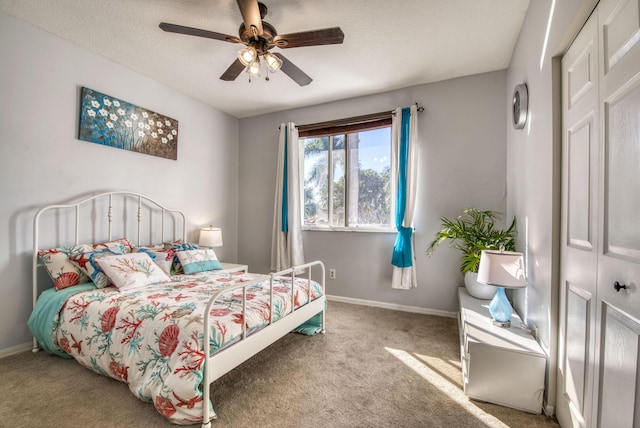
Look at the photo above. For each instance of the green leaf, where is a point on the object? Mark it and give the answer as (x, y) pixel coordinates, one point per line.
(471, 233)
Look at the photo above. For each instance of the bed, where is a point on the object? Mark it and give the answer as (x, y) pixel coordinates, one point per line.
(145, 313)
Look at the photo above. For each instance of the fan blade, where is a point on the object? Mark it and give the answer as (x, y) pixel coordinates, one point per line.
(251, 15)
(326, 36)
(181, 29)
(291, 70)
(233, 71)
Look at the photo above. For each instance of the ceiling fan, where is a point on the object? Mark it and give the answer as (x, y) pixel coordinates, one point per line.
(259, 37)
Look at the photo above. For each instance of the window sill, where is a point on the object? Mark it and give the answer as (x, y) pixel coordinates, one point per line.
(348, 229)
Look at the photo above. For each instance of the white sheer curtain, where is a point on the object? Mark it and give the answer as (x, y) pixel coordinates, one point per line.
(286, 243)
(404, 137)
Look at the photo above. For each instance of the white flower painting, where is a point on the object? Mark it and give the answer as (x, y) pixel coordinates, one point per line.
(100, 124)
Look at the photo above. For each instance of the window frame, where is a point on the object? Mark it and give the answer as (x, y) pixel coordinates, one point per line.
(344, 127)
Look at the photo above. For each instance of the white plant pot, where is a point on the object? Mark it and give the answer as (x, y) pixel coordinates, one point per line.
(477, 289)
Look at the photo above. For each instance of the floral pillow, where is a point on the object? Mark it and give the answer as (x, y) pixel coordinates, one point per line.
(154, 247)
(122, 246)
(61, 270)
(194, 261)
(179, 246)
(133, 270)
(163, 258)
(87, 262)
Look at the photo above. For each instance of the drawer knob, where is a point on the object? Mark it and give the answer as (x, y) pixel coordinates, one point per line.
(618, 286)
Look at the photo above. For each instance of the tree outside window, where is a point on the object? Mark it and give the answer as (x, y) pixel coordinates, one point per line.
(347, 180)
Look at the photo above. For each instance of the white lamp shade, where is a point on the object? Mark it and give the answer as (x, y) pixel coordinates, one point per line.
(210, 237)
(502, 269)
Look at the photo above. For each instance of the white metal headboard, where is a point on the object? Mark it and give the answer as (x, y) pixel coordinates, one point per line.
(144, 203)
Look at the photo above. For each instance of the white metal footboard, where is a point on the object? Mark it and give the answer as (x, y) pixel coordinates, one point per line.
(229, 358)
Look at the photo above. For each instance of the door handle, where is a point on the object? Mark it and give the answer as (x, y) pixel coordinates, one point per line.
(618, 286)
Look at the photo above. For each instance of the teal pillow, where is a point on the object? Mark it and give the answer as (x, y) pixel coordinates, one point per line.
(200, 260)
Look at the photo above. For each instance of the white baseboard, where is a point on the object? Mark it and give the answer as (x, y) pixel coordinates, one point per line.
(6, 352)
(548, 410)
(392, 306)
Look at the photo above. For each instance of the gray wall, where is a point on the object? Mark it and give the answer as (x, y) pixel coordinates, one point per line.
(42, 162)
(533, 162)
(461, 164)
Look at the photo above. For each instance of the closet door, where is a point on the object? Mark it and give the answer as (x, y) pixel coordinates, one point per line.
(579, 235)
(618, 318)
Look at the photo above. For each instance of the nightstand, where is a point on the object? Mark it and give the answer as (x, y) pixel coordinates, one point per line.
(504, 366)
(232, 267)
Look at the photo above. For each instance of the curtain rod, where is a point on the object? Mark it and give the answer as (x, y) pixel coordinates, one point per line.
(366, 117)
(420, 108)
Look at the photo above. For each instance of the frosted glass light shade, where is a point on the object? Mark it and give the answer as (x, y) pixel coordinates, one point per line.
(254, 68)
(210, 237)
(273, 62)
(247, 55)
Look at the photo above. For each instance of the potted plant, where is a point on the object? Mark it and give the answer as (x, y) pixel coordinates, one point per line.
(471, 233)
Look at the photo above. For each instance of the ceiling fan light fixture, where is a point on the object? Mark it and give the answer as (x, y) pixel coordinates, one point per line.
(254, 68)
(247, 55)
(256, 37)
(273, 62)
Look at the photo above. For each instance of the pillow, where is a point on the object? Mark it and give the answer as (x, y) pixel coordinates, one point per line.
(87, 262)
(194, 261)
(179, 246)
(154, 247)
(163, 258)
(63, 273)
(121, 246)
(133, 270)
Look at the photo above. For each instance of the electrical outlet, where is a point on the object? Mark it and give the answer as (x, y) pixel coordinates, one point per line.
(332, 274)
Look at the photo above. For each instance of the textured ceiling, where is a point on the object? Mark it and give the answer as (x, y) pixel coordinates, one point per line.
(387, 45)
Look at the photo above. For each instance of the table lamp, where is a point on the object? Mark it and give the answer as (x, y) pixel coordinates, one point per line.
(503, 269)
(210, 237)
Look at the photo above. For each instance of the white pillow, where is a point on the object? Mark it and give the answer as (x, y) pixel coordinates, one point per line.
(132, 270)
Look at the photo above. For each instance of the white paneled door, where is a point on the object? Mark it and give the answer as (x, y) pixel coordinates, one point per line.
(619, 185)
(600, 259)
(579, 237)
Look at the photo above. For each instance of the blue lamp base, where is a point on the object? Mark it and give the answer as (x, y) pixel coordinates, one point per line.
(500, 309)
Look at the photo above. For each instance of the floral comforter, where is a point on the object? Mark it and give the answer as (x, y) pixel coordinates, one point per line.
(151, 337)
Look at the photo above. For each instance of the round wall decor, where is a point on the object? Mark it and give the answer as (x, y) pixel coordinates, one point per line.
(520, 105)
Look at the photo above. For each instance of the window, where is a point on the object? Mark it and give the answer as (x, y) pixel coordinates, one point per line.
(347, 179)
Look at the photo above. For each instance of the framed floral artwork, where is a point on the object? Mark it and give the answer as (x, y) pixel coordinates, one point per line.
(112, 122)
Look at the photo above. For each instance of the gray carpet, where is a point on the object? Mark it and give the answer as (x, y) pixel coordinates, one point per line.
(373, 368)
